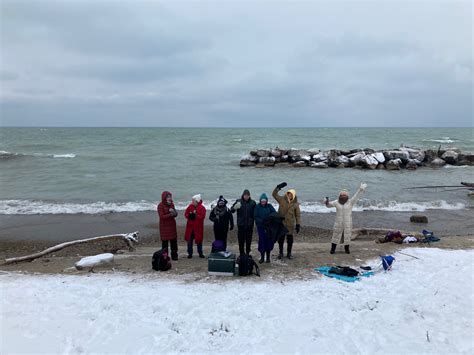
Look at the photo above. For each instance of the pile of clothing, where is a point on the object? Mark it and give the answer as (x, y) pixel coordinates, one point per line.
(399, 238)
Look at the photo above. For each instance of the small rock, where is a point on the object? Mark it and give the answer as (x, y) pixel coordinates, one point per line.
(300, 164)
(319, 165)
(411, 165)
(267, 161)
(263, 153)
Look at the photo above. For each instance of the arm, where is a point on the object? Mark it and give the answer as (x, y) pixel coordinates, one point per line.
(212, 216)
(232, 209)
(186, 213)
(162, 213)
(231, 221)
(357, 195)
(256, 216)
(330, 204)
(298, 214)
(275, 195)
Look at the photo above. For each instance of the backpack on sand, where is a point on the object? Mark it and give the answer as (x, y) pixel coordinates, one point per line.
(161, 260)
(246, 265)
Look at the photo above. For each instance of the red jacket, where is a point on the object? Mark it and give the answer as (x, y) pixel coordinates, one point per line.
(167, 221)
(196, 225)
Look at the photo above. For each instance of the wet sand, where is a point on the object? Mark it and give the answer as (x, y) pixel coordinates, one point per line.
(21, 235)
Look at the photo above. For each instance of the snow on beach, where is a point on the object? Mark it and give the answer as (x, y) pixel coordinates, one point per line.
(422, 306)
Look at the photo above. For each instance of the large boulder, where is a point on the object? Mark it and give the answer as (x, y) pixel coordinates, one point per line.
(300, 164)
(276, 152)
(313, 151)
(396, 154)
(284, 158)
(437, 163)
(343, 160)
(321, 156)
(263, 153)
(393, 164)
(357, 158)
(369, 162)
(319, 165)
(379, 156)
(450, 157)
(414, 153)
(466, 158)
(248, 162)
(430, 155)
(267, 161)
(412, 164)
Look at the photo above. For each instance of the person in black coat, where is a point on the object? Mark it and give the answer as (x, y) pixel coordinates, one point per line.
(245, 208)
(223, 220)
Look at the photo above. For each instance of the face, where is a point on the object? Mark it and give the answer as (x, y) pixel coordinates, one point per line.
(263, 202)
(290, 197)
(221, 204)
(169, 199)
(246, 197)
(195, 203)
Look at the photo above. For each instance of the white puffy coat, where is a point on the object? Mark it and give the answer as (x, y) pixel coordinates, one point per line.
(343, 223)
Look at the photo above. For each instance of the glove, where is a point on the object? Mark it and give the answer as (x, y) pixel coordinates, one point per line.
(173, 212)
(282, 185)
(363, 186)
(298, 227)
(237, 205)
(192, 216)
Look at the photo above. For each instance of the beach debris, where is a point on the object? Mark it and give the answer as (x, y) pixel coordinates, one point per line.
(95, 260)
(416, 218)
(130, 239)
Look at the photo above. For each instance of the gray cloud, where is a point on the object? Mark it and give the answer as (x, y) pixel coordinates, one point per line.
(228, 64)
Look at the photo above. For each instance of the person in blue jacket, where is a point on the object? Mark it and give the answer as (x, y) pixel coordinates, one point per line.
(261, 213)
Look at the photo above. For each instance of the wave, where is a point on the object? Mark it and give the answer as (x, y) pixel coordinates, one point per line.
(4, 155)
(442, 140)
(31, 207)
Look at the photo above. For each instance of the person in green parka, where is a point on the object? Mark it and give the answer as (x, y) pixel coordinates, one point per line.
(265, 243)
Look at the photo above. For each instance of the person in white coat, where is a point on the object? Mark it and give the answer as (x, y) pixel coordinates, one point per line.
(343, 225)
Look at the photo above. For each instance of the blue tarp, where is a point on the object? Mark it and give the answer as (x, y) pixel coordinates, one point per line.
(325, 271)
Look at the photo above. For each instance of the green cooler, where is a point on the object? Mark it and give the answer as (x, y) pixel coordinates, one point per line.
(219, 264)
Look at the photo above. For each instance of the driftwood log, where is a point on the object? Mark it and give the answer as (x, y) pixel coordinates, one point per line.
(129, 238)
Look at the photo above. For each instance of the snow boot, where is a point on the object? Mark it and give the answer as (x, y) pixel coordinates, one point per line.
(190, 256)
(333, 248)
(201, 256)
(261, 258)
(346, 248)
(288, 255)
(268, 256)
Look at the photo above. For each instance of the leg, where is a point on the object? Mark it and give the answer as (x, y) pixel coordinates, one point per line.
(174, 249)
(333, 248)
(190, 246)
(241, 239)
(268, 256)
(290, 246)
(281, 241)
(199, 249)
(262, 257)
(248, 239)
(347, 239)
(164, 244)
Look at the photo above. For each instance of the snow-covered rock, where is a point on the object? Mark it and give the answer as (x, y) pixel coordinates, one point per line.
(368, 161)
(95, 260)
(450, 157)
(437, 163)
(393, 164)
(379, 156)
(320, 165)
(267, 161)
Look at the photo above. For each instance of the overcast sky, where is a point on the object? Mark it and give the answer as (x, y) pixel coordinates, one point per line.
(315, 63)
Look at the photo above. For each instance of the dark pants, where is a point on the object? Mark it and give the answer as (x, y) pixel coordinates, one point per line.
(190, 246)
(221, 235)
(174, 247)
(244, 235)
(281, 241)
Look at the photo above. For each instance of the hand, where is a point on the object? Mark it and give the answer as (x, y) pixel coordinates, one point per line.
(192, 216)
(298, 228)
(173, 212)
(282, 185)
(326, 200)
(237, 205)
(363, 186)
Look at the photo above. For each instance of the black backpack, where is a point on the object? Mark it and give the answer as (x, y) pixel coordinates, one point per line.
(246, 265)
(161, 260)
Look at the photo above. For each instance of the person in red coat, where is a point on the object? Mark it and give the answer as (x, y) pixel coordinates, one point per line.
(168, 233)
(195, 215)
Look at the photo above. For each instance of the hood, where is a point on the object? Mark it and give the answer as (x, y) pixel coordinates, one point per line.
(263, 197)
(246, 192)
(293, 192)
(197, 198)
(164, 194)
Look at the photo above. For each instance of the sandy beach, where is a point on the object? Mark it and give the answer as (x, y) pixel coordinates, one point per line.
(21, 235)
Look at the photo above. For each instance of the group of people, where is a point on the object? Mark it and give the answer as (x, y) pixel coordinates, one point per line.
(249, 214)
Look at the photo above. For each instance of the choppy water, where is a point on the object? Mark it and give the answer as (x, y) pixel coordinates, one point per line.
(94, 170)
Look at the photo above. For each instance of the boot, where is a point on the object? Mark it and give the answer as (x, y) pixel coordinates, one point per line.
(190, 256)
(201, 256)
(261, 258)
(333, 248)
(288, 255)
(280, 254)
(268, 256)
(346, 248)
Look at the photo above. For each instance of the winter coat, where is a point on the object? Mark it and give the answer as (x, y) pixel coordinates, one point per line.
(343, 222)
(289, 210)
(221, 222)
(196, 225)
(275, 227)
(167, 221)
(244, 213)
(262, 212)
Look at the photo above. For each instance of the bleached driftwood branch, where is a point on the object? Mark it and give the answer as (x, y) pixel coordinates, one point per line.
(129, 238)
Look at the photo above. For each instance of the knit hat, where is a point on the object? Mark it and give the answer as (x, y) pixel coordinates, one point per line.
(197, 198)
(221, 201)
(344, 191)
(263, 197)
